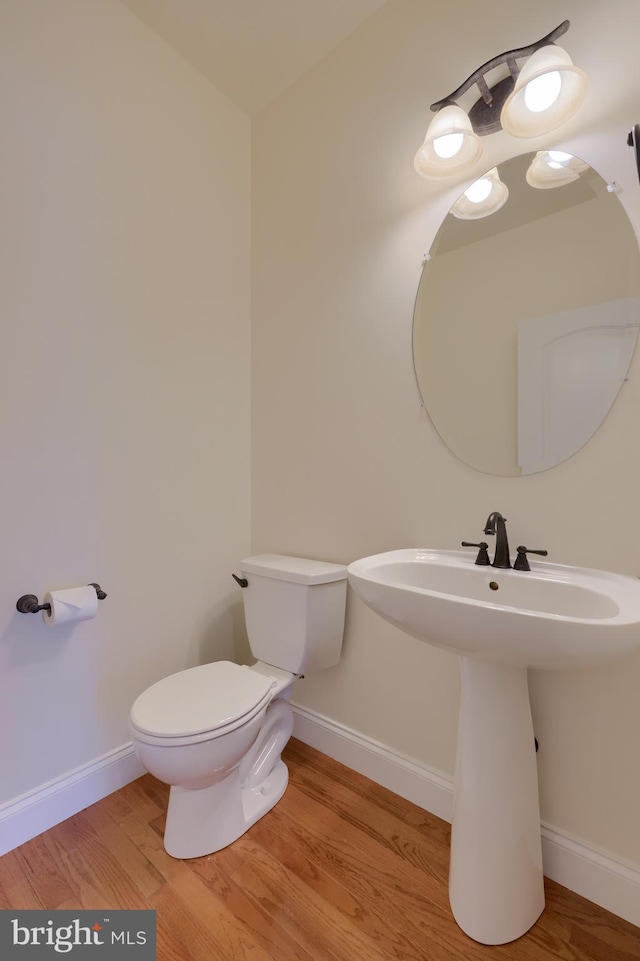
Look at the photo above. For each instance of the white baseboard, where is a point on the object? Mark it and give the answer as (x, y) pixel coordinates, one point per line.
(30, 814)
(607, 881)
(401, 774)
(593, 874)
(589, 872)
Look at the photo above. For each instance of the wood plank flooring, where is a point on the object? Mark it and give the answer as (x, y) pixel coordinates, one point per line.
(340, 870)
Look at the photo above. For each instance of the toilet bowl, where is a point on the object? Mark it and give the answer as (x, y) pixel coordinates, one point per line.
(215, 733)
(193, 729)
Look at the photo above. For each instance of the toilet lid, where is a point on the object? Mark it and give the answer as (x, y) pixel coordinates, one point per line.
(200, 699)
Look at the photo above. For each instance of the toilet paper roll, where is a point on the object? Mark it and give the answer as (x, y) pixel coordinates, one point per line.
(74, 604)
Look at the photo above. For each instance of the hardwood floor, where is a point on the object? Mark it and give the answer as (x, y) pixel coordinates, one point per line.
(340, 870)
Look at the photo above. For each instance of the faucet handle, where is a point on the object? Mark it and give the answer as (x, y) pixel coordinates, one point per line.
(521, 562)
(483, 555)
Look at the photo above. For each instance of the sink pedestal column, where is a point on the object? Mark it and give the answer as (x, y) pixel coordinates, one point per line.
(495, 883)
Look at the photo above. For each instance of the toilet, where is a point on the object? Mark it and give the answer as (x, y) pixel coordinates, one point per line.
(215, 733)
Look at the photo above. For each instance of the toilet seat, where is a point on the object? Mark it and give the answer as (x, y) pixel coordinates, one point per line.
(200, 703)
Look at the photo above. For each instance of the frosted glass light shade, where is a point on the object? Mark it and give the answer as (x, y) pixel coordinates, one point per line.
(489, 200)
(561, 89)
(547, 171)
(450, 146)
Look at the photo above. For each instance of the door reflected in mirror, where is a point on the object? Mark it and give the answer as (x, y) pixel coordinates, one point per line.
(526, 320)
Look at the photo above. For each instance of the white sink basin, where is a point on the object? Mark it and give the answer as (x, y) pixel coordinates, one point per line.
(552, 616)
(499, 622)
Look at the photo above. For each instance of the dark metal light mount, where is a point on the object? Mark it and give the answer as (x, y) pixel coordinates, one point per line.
(633, 140)
(485, 113)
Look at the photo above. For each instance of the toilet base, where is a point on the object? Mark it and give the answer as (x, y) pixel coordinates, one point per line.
(206, 820)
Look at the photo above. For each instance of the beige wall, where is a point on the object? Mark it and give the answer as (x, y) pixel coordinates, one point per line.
(346, 463)
(124, 375)
(124, 372)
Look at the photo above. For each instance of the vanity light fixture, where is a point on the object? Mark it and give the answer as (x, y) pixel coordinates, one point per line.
(554, 168)
(482, 198)
(451, 145)
(530, 100)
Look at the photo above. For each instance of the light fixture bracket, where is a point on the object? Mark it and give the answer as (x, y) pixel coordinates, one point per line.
(485, 113)
(633, 140)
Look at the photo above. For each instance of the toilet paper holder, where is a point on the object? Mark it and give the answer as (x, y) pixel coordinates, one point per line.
(28, 603)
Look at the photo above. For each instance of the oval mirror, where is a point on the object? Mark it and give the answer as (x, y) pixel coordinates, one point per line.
(526, 318)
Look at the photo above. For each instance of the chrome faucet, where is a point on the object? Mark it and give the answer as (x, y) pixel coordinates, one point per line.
(496, 524)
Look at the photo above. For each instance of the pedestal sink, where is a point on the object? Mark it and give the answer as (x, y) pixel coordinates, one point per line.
(499, 622)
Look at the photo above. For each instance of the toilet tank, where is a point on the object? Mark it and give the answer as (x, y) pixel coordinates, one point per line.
(294, 610)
